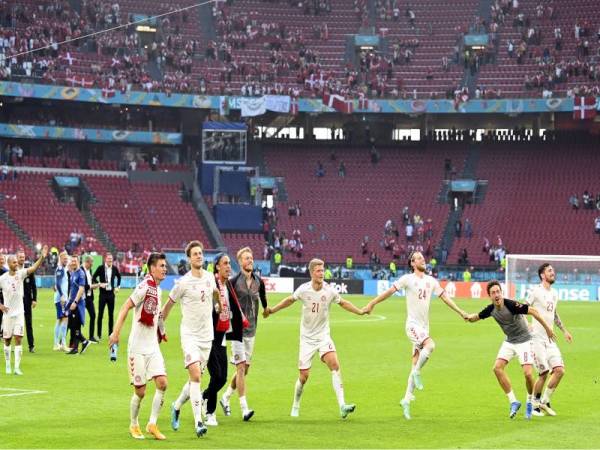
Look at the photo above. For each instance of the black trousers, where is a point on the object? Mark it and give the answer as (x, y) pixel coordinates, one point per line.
(107, 298)
(217, 369)
(76, 336)
(28, 323)
(91, 309)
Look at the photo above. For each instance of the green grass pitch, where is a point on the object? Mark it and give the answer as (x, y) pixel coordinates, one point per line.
(83, 401)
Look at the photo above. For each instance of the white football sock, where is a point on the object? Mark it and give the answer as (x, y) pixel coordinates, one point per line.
(228, 393)
(511, 397)
(18, 353)
(338, 387)
(545, 398)
(423, 357)
(134, 409)
(7, 354)
(244, 404)
(196, 401)
(298, 393)
(157, 403)
(183, 396)
(410, 387)
(529, 398)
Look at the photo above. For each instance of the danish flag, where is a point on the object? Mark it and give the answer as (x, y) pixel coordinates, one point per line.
(584, 108)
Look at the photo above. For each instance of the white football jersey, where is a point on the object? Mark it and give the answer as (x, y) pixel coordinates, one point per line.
(196, 297)
(12, 290)
(315, 310)
(545, 302)
(142, 338)
(418, 296)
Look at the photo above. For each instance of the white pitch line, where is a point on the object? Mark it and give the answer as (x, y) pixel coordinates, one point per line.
(18, 392)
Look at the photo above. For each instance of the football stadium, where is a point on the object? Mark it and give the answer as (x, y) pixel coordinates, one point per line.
(274, 223)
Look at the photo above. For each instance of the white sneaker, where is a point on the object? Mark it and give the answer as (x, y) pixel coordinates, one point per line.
(57, 348)
(18, 371)
(211, 420)
(547, 409)
(295, 411)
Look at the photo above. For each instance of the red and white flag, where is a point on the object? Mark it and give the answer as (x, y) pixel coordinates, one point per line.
(338, 103)
(584, 108)
(108, 93)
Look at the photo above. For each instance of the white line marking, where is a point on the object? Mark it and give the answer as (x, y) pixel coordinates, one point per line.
(17, 392)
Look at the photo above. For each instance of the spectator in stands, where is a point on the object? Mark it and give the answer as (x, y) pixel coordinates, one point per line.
(342, 170)
(409, 231)
(364, 245)
(154, 162)
(587, 200)
(458, 228)
(443, 254)
(468, 229)
(597, 225)
(463, 258)
(320, 170)
(574, 202)
(486, 245)
(375, 157)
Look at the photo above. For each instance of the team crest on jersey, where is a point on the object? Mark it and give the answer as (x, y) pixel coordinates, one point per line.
(427, 285)
(322, 298)
(151, 305)
(138, 379)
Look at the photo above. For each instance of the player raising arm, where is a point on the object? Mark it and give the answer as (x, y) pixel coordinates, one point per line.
(419, 288)
(509, 315)
(316, 297)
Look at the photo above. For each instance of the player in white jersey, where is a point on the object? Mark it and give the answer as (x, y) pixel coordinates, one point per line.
(547, 357)
(145, 360)
(13, 318)
(317, 298)
(419, 288)
(199, 296)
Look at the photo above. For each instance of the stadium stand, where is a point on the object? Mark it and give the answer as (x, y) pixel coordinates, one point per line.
(526, 202)
(337, 212)
(31, 204)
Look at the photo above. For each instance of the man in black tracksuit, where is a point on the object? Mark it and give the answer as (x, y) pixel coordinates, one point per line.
(217, 361)
(29, 301)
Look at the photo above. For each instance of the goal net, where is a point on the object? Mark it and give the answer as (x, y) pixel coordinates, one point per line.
(577, 277)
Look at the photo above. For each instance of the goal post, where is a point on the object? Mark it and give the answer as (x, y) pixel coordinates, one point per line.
(577, 276)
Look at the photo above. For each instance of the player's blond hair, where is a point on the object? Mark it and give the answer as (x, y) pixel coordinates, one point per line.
(241, 251)
(314, 263)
